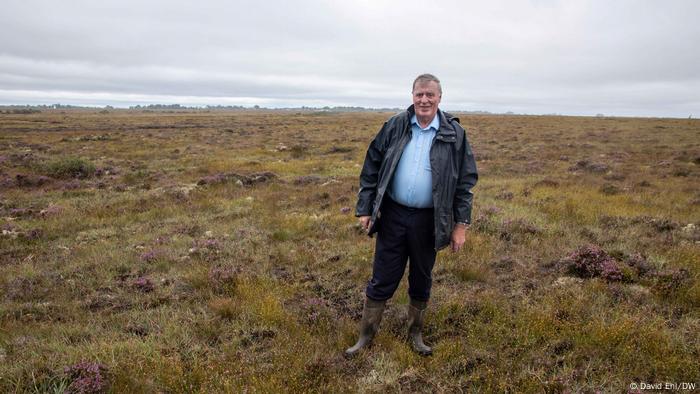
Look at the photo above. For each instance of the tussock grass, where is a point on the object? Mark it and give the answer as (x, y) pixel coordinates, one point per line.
(70, 167)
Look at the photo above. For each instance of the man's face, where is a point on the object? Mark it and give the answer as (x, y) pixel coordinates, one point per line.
(426, 97)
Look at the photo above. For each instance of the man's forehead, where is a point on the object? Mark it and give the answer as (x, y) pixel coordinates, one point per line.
(426, 85)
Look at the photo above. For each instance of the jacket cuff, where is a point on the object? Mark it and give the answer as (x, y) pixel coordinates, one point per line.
(363, 209)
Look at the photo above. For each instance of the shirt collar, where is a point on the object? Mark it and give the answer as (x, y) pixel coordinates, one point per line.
(434, 124)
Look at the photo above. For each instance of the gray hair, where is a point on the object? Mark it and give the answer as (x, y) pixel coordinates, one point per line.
(427, 78)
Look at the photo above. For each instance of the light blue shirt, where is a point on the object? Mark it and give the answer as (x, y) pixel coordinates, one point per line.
(412, 184)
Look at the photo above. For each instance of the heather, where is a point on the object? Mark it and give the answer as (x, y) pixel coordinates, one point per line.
(197, 251)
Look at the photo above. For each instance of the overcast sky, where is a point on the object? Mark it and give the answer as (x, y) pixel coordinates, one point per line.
(570, 57)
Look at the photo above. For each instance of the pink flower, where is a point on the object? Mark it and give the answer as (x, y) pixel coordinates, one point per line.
(86, 377)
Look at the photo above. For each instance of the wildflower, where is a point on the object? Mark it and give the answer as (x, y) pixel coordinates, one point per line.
(86, 377)
(143, 284)
(591, 261)
(149, 257)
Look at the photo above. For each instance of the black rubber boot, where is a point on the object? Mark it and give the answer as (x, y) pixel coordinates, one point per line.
(369, 325)
(416, 317)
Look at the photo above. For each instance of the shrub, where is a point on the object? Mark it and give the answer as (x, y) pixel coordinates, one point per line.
(70, 167)
(144, 285)
(516, 229)
(640, 264)
(670, 280)
(86, 377)
(585, 165)
(591, 261)
(298, 151)
(150, 256)
(208, 249)
(223, 279)
(610, 271)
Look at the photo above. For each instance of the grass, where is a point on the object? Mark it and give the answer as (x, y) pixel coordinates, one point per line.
(129, 248)
(70, 167)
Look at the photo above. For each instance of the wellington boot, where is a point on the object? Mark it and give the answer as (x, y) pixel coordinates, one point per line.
(416, 318)
(371, 317)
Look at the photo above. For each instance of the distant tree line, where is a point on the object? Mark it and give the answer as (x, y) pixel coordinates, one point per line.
(28, 109)
(257, 107)
(32, 109)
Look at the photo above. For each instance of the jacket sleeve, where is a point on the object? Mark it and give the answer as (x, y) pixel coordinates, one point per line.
(466, 180)
(370, 172)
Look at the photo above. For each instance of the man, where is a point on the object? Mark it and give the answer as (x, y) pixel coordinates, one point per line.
(415, 193)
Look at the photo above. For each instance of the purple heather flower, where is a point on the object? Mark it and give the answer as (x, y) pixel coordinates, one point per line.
(591, 261)
(143, 284)
(149, 256)
(211, 243)
(610, 271)
(223, 275)
(86, 377)
(492, 210)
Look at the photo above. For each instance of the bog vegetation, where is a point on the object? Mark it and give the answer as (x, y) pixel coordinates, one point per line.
(217, 251)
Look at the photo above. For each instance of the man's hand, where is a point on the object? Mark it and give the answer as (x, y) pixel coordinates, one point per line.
(459, 236)
(366, 222)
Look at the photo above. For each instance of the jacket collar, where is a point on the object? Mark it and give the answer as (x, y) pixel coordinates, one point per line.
(446, 132)
(434, 123)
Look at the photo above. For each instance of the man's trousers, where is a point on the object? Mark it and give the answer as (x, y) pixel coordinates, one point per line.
(403, 234)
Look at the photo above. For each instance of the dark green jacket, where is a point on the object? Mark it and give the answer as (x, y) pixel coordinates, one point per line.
(451, 161)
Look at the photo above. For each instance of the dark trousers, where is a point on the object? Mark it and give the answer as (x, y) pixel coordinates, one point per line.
(403, 234)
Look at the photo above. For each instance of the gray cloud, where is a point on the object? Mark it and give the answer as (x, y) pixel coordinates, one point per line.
(583, 57)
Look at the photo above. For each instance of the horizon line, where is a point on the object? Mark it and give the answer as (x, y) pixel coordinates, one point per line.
(345, 108)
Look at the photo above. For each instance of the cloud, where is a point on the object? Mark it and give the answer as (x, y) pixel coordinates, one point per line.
(629, 57)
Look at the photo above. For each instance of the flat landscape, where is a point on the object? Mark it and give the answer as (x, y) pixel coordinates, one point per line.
(217, 251)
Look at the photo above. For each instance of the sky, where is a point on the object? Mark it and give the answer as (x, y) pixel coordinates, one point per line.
(574, 57)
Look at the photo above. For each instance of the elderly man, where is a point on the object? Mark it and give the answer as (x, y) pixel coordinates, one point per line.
(415, 193)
